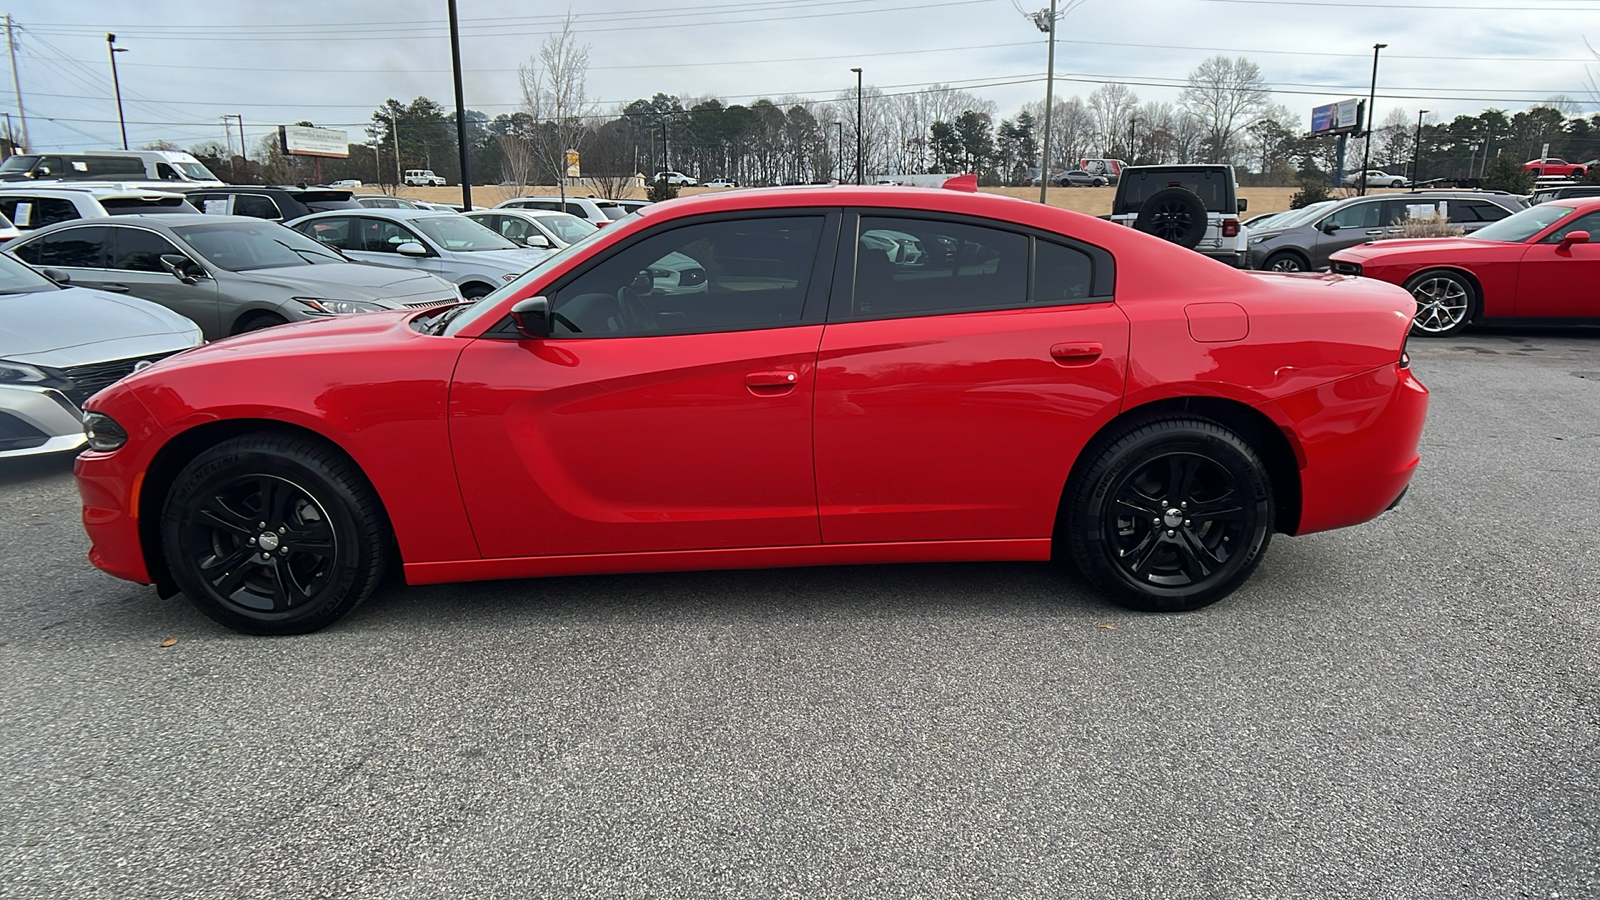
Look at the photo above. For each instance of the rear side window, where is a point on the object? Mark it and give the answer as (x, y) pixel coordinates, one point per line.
(137, 250)
(134, 206)
(37, 212)
(77, 248)
(572, 208)
(1476, 211)
(258, 206)
(112, 167)
(913, 266)
(1061, 274)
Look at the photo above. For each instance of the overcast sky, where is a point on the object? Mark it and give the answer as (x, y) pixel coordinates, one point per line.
(189, 62)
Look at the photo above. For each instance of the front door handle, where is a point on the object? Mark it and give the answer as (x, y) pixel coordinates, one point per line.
(115, 288)
(1377, 231)
(771, 382)
(1076, 354)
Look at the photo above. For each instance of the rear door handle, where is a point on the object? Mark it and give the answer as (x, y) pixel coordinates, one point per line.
(1378, 231)
(777, 379)
(1076, 354)
(115, 288)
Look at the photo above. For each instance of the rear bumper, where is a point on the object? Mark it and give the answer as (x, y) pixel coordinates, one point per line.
(1239, 259)
(1358, 440)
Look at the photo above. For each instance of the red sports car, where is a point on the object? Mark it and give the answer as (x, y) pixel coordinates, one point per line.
(1552, 166)
(753, 379)
(1535, 267)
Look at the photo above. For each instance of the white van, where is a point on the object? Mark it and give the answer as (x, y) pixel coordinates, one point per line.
(423, 178)
(170, 166)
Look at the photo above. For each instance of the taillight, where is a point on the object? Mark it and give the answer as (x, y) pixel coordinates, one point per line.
(602, 224)
(1230, 227)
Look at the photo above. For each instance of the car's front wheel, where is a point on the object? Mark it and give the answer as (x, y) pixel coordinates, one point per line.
(274, 534)
(1284, 261)
(1446, 303)
(1172, 515)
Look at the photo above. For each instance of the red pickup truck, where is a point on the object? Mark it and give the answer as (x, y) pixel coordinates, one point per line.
(1553, 166)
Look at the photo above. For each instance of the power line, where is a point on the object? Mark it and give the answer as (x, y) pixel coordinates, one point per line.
(1452, 8)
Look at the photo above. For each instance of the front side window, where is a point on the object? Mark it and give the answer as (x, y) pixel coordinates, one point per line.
(567, 228)
(1358, 215)
(1589, 223)
(1523, 225)
(137, 250)
(714, 276)
(382, 236)
(911, 266)
(73, 248)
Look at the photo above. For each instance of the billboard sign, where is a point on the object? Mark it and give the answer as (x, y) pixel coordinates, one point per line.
(1337, 118)
(573, 168)
(298, 140)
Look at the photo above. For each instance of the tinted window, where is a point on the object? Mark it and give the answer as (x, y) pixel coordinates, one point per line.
(382, 236)
(257, 206)
(1358, 215)
(136, 206)
(113, 166)
(907, 266)
(138, 250)
(333, 231)
(573, 209)
(1061, 274)
(82, 248)
(1478, 210)
(167, 173)
(715, 276)
(37, 212)
(1215, 187)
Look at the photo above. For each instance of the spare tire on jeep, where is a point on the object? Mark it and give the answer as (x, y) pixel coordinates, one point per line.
(1174, 214)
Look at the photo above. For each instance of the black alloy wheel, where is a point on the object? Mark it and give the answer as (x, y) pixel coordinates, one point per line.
(1284, 262)
(273, 534)
(1174, 214)
(258, 321)
(1172, 516)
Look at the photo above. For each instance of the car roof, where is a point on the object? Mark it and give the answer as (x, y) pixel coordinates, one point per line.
(535, 213)
(98, 193)
(382, 213)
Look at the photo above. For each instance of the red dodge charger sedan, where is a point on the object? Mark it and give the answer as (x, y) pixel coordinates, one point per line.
(1536, 267)
(788, 377)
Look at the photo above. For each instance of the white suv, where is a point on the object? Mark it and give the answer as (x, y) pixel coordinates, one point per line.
(423, 178)
(33, 207)
(598, 213)
(1193, 206)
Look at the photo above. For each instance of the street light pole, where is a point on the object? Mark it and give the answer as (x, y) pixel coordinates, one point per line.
(461, 112)
(841, 151)
(858, 125)
(1372, 99)
(116, 85)
(1416, 150)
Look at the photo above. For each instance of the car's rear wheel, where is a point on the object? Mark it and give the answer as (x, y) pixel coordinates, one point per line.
(274, 534)
(1446, 303)
(1172, 515)
(1285, 261)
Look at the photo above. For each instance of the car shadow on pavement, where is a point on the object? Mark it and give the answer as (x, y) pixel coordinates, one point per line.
(23, 469)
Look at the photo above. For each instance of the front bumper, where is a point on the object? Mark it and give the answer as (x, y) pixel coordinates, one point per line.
(36, 420)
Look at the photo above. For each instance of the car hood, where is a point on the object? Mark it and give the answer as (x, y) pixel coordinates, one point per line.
(517, 260)
(1451, 248)
(349, 280)
(75, 326)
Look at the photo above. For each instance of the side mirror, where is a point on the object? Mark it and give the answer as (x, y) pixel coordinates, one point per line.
(1574, 237)
(532, 317)
(536, 241)
(181, 267)
(1330, 227)
(411, 248)
(56, 275)
(1243, 204)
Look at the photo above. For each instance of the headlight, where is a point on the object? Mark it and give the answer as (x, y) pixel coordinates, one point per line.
(338, 307)
(19, 373)
(103, 432)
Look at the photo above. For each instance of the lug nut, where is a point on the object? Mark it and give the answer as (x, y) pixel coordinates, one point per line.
(1171, 533)
(261, 524)
(283, 551)
(265, 557)
(251, 542)
(283, 529)
(1186, 523)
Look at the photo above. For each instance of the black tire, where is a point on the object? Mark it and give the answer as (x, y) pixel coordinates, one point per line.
(1536, 172)
(1285, 261)
(1174, 214)
(257, 321)
(476, 290)
(1447, 302)
(1170, 516)
(1577, 175)
(295, 529)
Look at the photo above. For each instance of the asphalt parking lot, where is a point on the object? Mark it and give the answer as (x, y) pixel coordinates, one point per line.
(1406, 709)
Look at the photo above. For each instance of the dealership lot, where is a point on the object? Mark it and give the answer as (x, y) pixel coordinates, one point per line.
(1407, 709)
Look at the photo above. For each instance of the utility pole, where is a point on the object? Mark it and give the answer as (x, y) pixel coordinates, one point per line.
(1045, 21)
(113, 50)
(1372, 101)
(859, 174)
(16, 83)
(461, 113)
(394, 131)
(840, 173)
(1416, 150)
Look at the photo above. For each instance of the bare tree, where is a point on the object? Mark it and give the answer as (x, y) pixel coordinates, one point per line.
(1112, 106)
(1392, 144)
(1224, 94)
(517, 163)
(554, 95)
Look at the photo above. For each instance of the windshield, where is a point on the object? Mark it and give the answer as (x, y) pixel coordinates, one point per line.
(196, 171)
(1297, 217)
(1515, 229)
(469, 313)
(241, 247)
(16, 278)
(17, 164)
(461, 234)
(568, 228)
